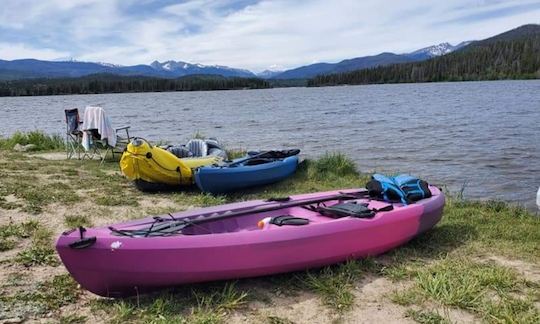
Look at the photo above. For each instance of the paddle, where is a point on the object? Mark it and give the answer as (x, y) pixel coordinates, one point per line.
(181, 223)
(277, 154)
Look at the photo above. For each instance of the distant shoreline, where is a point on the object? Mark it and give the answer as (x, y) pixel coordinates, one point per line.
(49, 87)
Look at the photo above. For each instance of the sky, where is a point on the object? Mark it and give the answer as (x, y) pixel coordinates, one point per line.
(255, 35)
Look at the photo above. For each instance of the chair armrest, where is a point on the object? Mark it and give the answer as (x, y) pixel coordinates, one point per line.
(123, 127)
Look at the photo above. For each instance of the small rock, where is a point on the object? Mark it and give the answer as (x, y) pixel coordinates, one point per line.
(30, 147)
(24, 148)
(13, 320)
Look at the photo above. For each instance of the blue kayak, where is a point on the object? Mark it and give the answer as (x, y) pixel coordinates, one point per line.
(251, 171)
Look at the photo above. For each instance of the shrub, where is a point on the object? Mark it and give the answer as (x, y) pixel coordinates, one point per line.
(41, 140)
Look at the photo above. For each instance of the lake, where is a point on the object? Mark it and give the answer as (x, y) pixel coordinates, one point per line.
(480, 136)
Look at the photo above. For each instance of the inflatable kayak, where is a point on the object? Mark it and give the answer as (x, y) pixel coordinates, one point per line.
(254, 170)
(245, 239)
(145, 163)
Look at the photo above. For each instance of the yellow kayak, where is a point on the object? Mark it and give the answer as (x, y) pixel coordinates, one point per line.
(142, 161)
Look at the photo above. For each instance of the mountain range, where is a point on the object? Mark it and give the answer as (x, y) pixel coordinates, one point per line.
(365, 62)
(511, 55)
(32, 68)
(514, 54)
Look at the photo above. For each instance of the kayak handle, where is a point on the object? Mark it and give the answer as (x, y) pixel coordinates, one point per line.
(83, 242)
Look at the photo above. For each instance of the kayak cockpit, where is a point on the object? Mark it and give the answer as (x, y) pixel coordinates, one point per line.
(267, 220)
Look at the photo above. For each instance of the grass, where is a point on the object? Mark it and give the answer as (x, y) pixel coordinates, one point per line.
(40, 252)
(235, 154)
(426, 317)
(486, 289)
(334, 284)
(72, 319)
(195, 304)
(34, 197)
(445, 268)
(74, 221)
(41, 140)
(10, 232)
(333, 165)
(278, 320)
(50, 295)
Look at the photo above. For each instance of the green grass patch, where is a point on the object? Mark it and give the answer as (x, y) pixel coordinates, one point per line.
(35, 196)
(278, 320)
(72, 319)
(333, 165)
(426, 317)
(509, 309)
(473, 229)
(488, 290)
(7, 244)
(198, 199)
(9, 233)
(189, 304)
(42, 141)
(41, 251)
(235, 153)
(497, 227)
(407, 297)
(37, 255)
(334, 284)
(74, 221)
(50, 295)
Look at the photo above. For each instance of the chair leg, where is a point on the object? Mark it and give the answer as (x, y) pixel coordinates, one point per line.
(71, 146)
(79, 147)
(105, 155)
(67, 146)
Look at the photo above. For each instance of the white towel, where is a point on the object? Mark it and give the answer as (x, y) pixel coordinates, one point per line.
(95, 118)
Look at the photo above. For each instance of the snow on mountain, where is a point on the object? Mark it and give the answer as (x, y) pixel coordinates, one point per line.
(110, 65)
(267, 74)
(179, 68)
(438, 50)
(167, 66)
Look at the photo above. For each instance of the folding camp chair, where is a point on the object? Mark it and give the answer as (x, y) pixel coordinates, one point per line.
(98, 144)
(73, 133)
(95, 122)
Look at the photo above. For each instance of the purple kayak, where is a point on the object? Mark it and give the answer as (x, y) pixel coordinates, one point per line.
(239, 240)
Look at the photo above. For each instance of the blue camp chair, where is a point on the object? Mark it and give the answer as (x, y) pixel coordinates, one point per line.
(73, 133)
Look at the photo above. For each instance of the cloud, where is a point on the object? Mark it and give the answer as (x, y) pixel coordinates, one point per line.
(247, 33)
(10, 51)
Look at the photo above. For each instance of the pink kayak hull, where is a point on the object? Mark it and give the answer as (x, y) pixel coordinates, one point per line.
(120, 266)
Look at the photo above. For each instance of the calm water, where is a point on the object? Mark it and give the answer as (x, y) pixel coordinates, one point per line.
(484, 135)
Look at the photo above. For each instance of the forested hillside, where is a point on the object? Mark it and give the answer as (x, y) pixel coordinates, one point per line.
(105, 83)
(511, 55)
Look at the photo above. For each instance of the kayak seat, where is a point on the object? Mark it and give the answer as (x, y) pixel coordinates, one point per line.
(258, 161)
(351, 209)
